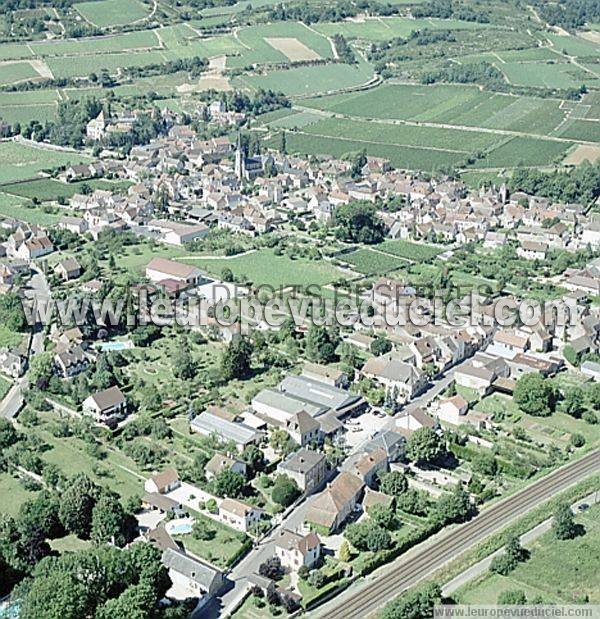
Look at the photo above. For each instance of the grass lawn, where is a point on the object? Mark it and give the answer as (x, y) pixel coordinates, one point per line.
(264, 267)
(13, 494)
(220, 550)
(8, 338)
(249, 610)
(5, 386)
(557, 570)
(20, 208)
(21, 161)
(69, 543)
(136, 257)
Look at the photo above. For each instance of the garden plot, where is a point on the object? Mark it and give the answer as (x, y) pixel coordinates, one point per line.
(295, 50)
(583, 153)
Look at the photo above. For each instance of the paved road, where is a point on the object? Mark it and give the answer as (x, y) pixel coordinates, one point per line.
(13, 402)
(250, 563)
(419, 563)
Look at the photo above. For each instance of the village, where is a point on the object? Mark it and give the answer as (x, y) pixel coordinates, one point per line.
(272, 467)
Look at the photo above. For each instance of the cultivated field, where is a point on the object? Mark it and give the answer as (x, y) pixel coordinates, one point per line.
(107, 13)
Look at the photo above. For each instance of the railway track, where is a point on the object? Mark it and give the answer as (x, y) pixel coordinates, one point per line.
(454, 542)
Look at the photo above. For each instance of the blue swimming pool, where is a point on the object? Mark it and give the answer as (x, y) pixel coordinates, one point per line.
(180, 528)
(113, 346)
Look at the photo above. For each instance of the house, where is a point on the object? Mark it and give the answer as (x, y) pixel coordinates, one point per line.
(373, 497)
(12, 362)
(107, 406)
(474, 377)
(402, 380)
(68, 269)
(160, 269)
(295, 551)
(393, 443)
(239, 433)
(239, 515)
(153, 501)
(191, 574)
(76, 225)
(591, 369)
(451, 410)
(177, 233)
(326, 374)
(532, 250)
(304, 429)
(330, 508)
(96, 128)
(71, 362)
(220, 462)
(306, 467)
(370, 465)
(507, 345)
(415, 420)
(162, 482)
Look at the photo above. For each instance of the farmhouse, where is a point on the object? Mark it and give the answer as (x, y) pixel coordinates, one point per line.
(177, 233)
(192, 574)
(68, 269)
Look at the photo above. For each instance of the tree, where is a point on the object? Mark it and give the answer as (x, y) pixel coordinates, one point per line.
(573, 402)
(344, 552)
(394, 483)
(41, 370)
(563, 522)
(513, 554)
(285, 491)
(110, 523)
(534, 395)
(77, 505)
(454, 507)
(184, 366)
(515, 597)
(321, 344)
(316, 578)
(254, 458)
(380, 346)
(12, 315)
(424, 446)
(202, 531)
(8, 434)
(414, 604)
(357, 222)
(414, 502)
(367, 535)
(271, 568)
(485, 464)
(228, 483)
(358, 163)
(236, 359)
(383, 516)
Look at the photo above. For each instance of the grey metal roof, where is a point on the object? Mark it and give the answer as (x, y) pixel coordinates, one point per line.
(287, 403)
(316, 392)
(228, 430)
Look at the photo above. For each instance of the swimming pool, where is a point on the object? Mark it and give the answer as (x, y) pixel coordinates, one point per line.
(115, 346)
(182, 528)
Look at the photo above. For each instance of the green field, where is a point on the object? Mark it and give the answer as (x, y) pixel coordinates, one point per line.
(256, 50)
(455, 105)
(264, 267)
(557, 570)
(49, 189)
(21, 161)
(17, 72)
(5, 386)
(417, 252)
(369, 262)
(19, 208)
(11, 487)
(383, 29)
(309, 80)
(107, 13)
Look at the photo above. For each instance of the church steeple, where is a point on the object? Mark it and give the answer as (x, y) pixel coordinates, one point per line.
(240, 159)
